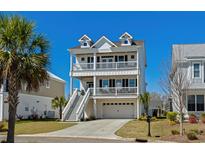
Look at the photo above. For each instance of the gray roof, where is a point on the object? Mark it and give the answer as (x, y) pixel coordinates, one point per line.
(51, 75)
(188, 51)
(118, 44)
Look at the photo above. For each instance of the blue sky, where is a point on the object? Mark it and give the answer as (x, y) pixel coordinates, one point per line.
(159, 30)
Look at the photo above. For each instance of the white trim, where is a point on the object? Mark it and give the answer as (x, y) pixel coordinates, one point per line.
(84, 36)
(193, 63)
(126, 33)
(103, 37)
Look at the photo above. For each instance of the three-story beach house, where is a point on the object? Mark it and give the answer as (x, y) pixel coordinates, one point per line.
(191, 60)
(111, 76)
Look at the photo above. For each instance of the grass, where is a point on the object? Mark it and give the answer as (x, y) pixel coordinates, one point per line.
(162, 128)
(35, 127)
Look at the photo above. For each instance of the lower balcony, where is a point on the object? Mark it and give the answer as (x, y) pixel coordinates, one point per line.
(115, 91)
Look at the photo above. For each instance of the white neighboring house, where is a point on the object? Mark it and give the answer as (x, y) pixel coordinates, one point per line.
(35, 102)
(193, 58)
(112, 75)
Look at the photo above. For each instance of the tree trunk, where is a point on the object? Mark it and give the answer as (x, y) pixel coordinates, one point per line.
(60, 111)
(181, 117)
(13, 102)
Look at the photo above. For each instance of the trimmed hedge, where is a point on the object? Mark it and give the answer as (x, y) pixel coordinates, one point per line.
(172, 116)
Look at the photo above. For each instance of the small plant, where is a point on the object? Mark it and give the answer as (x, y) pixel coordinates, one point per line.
(142, 118)
(172, 123)
(202, 117)
(192, 118)
(172, 116)
(196, 131)
(192, 136)
(153, 119)
(175, 132)
(1, 125)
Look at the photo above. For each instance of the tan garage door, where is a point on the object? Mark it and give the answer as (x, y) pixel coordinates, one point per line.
(118, 110)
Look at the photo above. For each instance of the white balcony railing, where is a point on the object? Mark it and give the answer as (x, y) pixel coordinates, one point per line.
(105, 66)
(115, 91)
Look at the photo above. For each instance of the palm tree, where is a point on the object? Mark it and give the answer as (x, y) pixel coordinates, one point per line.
(59, 102)
(23, 60)
(145, 99)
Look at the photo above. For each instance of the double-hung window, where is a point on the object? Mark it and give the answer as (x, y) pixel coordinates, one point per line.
(105, 84)
(191, 103)
(132, 83)
(196, 70)
(200, 102)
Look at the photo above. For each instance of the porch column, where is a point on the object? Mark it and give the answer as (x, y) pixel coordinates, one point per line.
(94, 85)
(1, 103)
(94, 61)
(138, 109)
(95, 108)
(137, 59)
(138, 85)
(71, 69)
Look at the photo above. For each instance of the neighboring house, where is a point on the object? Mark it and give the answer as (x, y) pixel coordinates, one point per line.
(192, 60)
(34, 102)
(111, 74)
(157, 105)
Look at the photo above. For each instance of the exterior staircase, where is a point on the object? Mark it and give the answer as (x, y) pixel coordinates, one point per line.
(75, 108)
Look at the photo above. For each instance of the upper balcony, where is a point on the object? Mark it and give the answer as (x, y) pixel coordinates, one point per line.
(111, 67)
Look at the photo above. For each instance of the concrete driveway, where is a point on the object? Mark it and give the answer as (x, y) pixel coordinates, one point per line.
(91, 129)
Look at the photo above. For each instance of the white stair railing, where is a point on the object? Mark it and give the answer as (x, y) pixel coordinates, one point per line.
(82, 105)
(70, 103)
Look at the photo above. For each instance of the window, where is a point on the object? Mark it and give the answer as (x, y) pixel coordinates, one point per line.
(118, 83)
(85, 44)
(196, 70)
(200, 102)
(82, 59)
(47, 84)
(126, 42)
(26, 109)
(132, 83)
(105, 83)
(191, 103)
(132, 56)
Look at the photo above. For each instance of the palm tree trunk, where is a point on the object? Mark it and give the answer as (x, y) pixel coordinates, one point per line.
(13, 101)
(60, 111)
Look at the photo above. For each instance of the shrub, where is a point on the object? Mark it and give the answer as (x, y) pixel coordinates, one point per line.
(202, 117)
(196, 131)
(175, 132)
(172, 116)
(1, 125)
(172, 123)
(192, 118)
(192, 136)
(142, 118)
(153, 119)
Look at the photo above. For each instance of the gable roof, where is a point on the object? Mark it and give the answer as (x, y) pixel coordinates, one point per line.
(51, 75)
(84, 37)
(103, 37)
(125, 34)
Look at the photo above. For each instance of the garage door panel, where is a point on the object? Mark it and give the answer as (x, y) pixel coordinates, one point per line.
(118, 110)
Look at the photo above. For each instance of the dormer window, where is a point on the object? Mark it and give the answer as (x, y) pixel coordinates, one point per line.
(126, 39)
(85, 44)
(85, 41)
(126, 42)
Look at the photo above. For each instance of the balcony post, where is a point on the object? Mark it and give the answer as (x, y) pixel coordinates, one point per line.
(95, 108)
(137, 59)
(94, 85)
(1, 103)
(71, 69)
(71, 62)
(94, 59)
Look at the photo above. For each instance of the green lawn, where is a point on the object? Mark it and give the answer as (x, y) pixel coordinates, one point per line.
(35, 127)
(162, 128)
